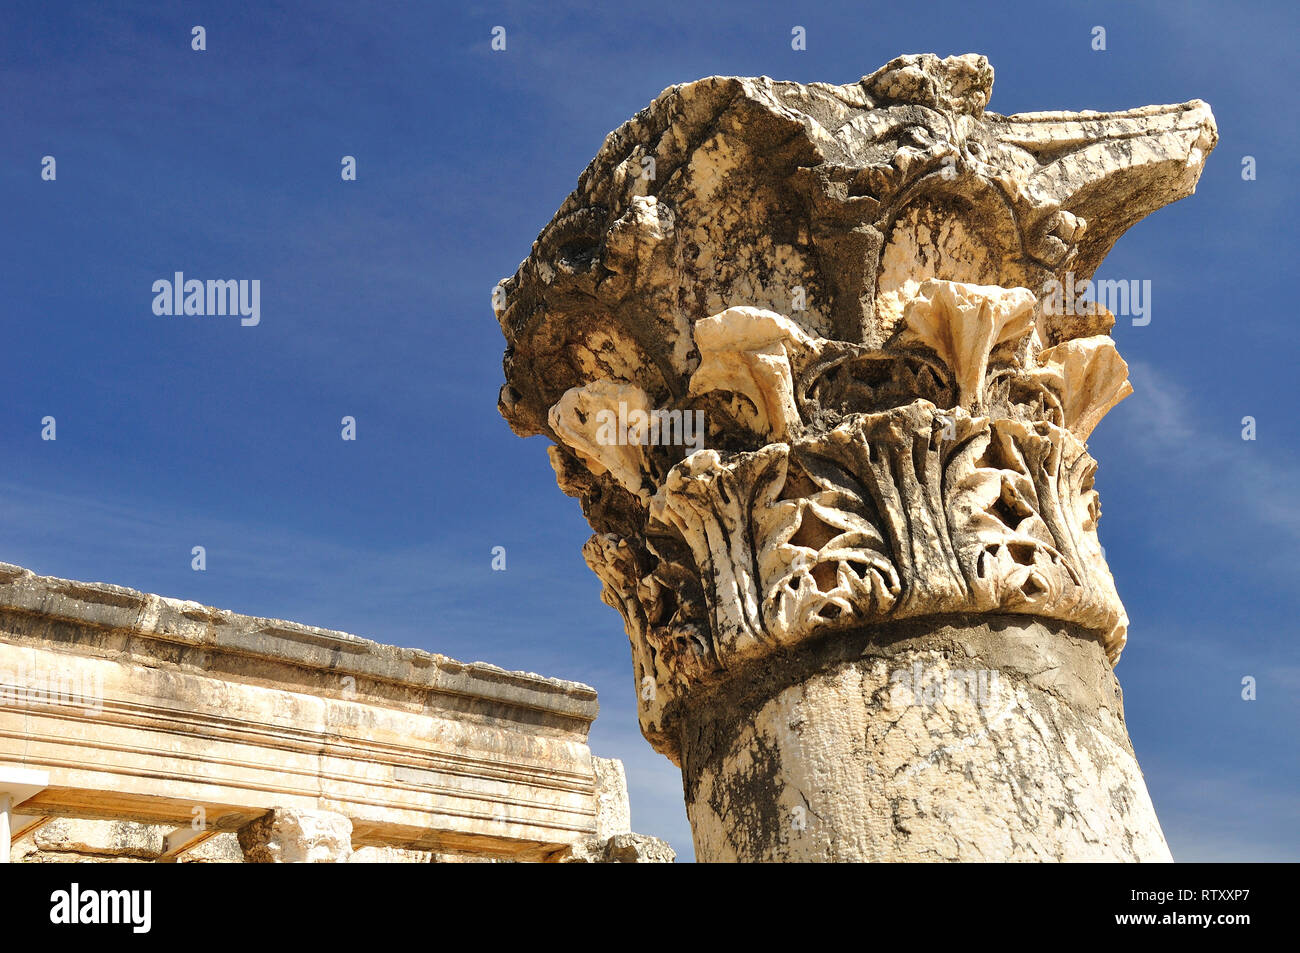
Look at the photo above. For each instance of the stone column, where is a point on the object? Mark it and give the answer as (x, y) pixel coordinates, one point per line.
(814, 362)
(290, 836)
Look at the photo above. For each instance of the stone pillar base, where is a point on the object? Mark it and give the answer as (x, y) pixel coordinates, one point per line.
(997, 739)
(284, 836)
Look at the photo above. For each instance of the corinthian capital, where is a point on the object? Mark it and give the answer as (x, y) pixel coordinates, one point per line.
(851, 284)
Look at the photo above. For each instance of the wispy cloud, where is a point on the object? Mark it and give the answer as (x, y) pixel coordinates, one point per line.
(1212, 817)
(1171, 433)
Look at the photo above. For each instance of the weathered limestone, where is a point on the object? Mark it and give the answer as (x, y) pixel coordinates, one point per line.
(853, 285)
(390, 855)
(159, 724)
(106, 838)
(66, 840)
(936, 740)
(297, 837)
(613, 806)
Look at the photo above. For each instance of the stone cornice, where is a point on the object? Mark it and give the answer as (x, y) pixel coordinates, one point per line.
(150, 709)
(114, 621)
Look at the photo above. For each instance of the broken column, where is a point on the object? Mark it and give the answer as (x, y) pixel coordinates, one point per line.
(869, 614)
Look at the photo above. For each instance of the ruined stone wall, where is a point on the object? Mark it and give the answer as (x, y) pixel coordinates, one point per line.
(169, 730)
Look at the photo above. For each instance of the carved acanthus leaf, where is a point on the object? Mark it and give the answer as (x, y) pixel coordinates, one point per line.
(1090, 377)
(963, 323)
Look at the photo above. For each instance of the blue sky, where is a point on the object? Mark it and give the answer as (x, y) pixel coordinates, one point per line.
(183, 431)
